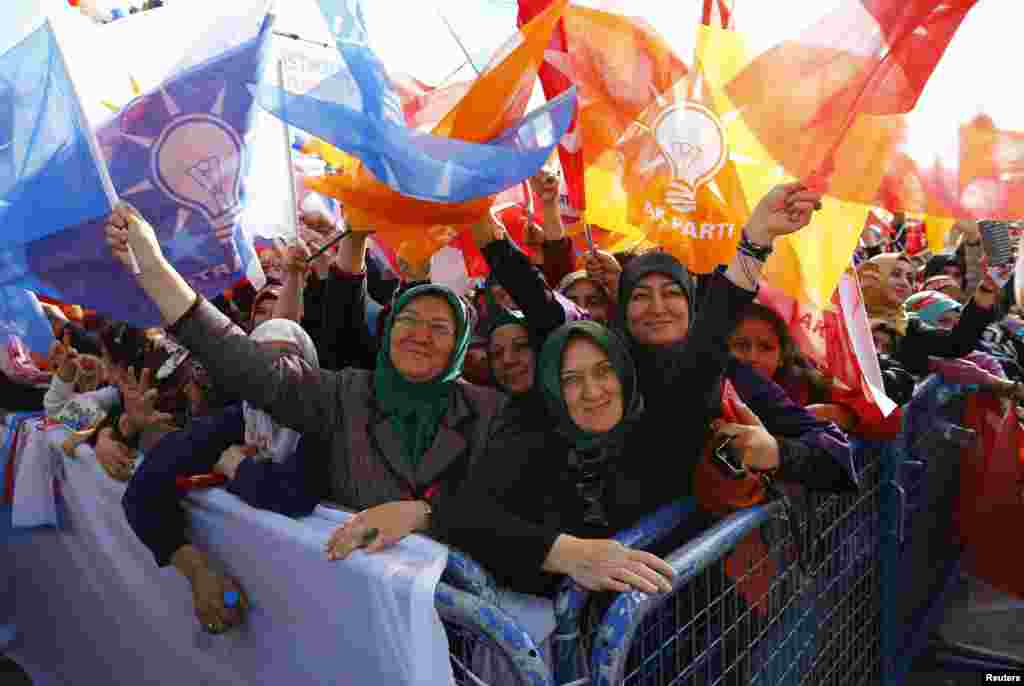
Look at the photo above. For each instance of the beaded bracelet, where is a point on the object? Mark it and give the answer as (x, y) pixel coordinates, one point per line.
(758, 252)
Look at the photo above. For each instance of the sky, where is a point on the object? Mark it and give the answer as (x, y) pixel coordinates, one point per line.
(975, 75)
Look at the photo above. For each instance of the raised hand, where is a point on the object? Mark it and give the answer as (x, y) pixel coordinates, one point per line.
(126, 227)
(487, 230)
(296, 257)
(757, 448)
(64, 360)
(786, 209)
(139, 398)
(545, 185)
(605, 269)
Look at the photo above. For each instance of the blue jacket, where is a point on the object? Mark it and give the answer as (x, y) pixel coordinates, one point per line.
(152, 502)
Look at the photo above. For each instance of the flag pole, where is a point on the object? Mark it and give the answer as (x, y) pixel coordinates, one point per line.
(91, 140)
(292, 197)
(457, 40)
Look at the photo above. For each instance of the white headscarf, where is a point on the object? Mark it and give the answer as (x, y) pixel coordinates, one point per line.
(276, 442)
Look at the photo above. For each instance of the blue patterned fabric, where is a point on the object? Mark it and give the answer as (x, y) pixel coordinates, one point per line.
(493, 627)
(466, 574)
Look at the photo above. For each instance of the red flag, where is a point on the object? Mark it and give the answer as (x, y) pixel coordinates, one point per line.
(718, 13)
(838, 341)
(621, 66)
(511, 209)
(556, 76)
(986, 183)
(803, 98)
(990, 479)
(425, 106)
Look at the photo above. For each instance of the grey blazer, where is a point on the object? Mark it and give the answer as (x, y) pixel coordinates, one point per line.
(364, 466)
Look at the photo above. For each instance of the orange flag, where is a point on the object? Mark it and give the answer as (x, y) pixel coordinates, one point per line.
(416, 229)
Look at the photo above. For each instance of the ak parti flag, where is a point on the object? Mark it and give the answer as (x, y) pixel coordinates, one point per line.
(651, 155)
(822, 102)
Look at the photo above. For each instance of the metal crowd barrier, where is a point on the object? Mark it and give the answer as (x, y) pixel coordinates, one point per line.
(849, 598)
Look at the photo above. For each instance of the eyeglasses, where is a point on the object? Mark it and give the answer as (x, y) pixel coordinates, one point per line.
(437, 329)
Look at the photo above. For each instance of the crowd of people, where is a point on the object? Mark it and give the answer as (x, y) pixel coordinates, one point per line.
(525, 422)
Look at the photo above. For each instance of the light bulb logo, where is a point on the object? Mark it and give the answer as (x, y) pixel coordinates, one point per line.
(197, 161)
(195, 157)
(692, 140)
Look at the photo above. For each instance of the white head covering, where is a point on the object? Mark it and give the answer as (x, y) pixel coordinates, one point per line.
(276, 442)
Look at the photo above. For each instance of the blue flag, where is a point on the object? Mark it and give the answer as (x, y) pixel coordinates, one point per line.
(50, 178)
(178, 155)
(358, 111)
(21, 315)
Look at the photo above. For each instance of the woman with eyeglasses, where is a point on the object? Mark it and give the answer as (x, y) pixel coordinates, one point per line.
(401, 437)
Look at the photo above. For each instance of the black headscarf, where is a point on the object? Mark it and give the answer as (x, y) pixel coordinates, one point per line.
(938, 263)
(651, 360)
(498, 317)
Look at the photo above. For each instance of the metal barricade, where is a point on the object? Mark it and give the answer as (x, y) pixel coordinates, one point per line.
(485, 645)
(751, 605)
(849, 601)
(919, 552)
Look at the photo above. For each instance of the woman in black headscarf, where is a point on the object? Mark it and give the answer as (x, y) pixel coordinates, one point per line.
(656, 307)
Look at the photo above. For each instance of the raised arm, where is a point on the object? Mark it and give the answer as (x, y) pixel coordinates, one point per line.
(784, 210)
(295, 394)
(291, 303)
(920, 343)
(544, 309)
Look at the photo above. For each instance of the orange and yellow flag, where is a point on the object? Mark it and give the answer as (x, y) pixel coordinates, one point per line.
(414, 228)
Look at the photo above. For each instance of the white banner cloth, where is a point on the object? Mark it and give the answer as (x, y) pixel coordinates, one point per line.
(92, 607)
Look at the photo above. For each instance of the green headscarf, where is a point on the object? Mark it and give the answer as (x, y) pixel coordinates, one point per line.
(416, 409)
(550, 376)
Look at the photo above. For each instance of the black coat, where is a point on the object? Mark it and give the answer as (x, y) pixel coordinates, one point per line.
(510, 513)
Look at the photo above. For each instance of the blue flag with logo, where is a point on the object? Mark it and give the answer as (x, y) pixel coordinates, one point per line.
(178, 154)
(50, 177)
(358, 111)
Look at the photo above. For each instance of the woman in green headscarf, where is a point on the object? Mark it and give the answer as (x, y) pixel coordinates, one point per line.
(552, 495)
(417, 394)
(398, 442)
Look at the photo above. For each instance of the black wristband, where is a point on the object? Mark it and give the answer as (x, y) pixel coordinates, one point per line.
(758, 252)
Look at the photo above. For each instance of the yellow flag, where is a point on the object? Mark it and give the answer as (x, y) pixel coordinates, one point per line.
(809, 264)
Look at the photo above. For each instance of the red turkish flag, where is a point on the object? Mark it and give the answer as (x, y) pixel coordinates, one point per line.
(803, 99)
(556, 76)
